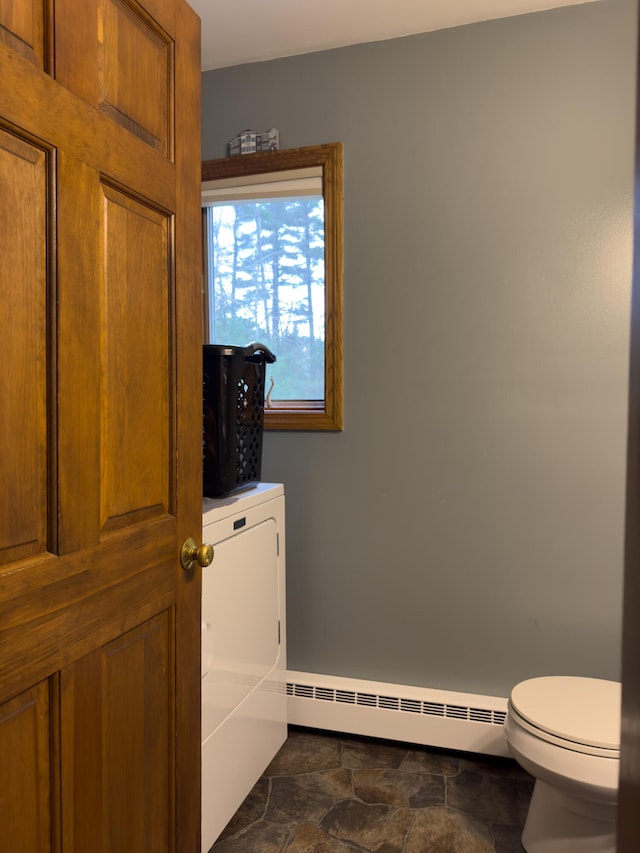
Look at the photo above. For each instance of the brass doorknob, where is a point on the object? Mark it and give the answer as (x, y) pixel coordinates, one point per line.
(191, 553)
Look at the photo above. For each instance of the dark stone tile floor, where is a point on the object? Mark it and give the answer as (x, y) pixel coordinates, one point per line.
(333, 793)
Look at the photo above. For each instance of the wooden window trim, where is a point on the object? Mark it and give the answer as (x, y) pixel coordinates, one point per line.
(324, 414)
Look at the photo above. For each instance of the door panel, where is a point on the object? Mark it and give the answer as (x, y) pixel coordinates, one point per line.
(125, 688)
(55, 610)
(100, 423)
(136, 349)
(22, 28)
(119, 56)
(23, 346)
(77, 376)
(136, 50)
(25, 772)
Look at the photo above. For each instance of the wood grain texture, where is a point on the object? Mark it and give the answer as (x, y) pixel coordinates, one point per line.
(22, 28)
(188, 413)
(77, 376)
(56, 114)
(25, 771)
(126, 689)
(136, 342)
(101, 425)
(135, 73)
(23, 346)
(119, 57)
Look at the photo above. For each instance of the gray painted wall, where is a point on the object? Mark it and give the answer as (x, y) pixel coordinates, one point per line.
(465, 531)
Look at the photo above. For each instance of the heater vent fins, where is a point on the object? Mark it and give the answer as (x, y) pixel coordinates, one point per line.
(397, 703)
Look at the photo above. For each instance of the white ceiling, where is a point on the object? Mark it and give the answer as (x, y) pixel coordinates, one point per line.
(239, 31)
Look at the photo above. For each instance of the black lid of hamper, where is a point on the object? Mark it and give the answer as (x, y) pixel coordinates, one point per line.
(223, 349)
(233, 416)
(254, 352)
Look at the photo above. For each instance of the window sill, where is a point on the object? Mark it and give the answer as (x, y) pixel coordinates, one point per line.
(311, 415)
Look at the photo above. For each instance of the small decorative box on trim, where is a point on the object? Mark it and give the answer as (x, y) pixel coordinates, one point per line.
(250, 142)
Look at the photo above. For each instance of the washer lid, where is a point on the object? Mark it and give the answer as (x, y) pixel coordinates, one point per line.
(581, 710)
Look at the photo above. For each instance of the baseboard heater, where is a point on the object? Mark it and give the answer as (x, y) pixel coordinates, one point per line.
(430, 717)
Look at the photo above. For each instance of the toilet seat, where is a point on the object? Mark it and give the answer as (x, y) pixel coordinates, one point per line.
(580, 714)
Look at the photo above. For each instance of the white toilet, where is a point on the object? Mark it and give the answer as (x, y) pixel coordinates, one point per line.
(565, 731)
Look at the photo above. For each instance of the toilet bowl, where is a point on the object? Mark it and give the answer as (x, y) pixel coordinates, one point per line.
(565, 731)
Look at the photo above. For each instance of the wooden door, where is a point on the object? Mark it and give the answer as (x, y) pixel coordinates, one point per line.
(100, 426)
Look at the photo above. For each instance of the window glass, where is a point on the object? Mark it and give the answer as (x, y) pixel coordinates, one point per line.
(266, 283)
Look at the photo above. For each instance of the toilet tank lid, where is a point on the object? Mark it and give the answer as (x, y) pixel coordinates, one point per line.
(582, 710)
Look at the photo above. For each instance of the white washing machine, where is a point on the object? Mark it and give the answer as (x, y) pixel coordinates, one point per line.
(244, 703)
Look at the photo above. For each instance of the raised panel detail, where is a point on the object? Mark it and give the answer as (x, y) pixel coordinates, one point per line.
(135, 358)
(123, 694)
(135, 73)
(23, 347)
(25, 772)
(22, 28)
